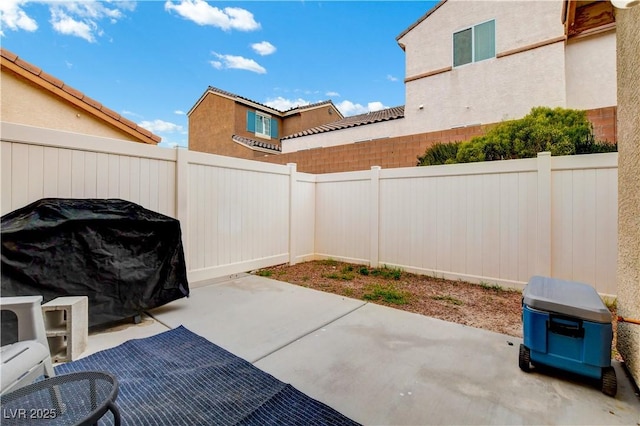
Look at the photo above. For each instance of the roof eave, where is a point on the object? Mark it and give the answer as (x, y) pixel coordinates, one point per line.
(415, 24)
(78, 99)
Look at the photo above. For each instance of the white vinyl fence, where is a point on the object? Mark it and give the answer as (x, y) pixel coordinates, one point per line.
(498, 222)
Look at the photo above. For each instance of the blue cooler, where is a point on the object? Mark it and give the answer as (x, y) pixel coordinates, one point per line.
(567, 326)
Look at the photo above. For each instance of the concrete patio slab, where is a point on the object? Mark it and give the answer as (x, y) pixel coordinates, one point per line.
(384, 366)
(101, 338)
(253, 316)
(378, 365)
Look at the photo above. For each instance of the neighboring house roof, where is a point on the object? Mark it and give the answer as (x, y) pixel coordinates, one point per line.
(256, 145)
(415, 24)
(58, 88)
(353, 121)
(274, 111)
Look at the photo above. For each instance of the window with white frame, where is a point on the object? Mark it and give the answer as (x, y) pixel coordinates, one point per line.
(263, 125)
(474, 44)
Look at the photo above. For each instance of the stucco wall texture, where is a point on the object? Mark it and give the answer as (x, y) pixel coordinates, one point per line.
(628, 46)
(25, 103)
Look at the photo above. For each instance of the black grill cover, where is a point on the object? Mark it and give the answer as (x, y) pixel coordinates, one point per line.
(125, 258)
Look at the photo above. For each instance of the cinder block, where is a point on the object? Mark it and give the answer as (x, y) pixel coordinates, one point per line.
(67, 326)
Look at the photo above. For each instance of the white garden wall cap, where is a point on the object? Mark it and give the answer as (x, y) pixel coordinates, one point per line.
(353, 121)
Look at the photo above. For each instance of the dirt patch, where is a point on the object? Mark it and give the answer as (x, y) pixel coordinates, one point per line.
(485, 306)
(481, 306)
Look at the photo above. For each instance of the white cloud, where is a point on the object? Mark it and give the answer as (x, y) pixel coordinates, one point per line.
(82, 18)
(283, 104)
(64, 24)
(93, 10)
(333, 94)
(263, 48)
(74, 18)
(160, 126)
(202, 13)
(237, 62)
(348, 108)
(391, 78)
(179, 112)
(376, 106)
(13, 17)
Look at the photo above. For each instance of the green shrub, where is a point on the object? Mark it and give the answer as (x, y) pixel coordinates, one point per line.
(557, 130)
(439, 153)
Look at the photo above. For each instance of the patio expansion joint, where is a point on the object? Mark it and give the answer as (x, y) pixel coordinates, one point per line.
(284, 345)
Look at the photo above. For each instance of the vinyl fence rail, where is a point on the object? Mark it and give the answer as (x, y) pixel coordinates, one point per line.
(495, 222)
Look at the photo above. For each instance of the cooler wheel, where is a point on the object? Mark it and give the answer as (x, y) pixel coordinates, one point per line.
(524, 360)
(609, 381)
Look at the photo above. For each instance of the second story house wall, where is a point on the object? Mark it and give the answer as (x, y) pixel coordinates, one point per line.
(591, 71)
(482, 62)
(590, 54)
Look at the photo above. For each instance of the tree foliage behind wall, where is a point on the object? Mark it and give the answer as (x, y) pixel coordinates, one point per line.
(560, 131)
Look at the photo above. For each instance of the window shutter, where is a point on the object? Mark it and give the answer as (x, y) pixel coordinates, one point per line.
(251, 121)
(274, 128)
(485, 40)
(462, 47)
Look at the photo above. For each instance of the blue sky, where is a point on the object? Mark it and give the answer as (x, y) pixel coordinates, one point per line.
(151, 60)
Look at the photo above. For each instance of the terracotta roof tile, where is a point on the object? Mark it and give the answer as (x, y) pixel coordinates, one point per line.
(8, 55)
(144, 131)
(128, 122)
(51, 79)
(92, 102)
(353, 121)
(73, 92)
(48, 80)
(255, 143)
(27, 66)
(111, 113)
(289, 111)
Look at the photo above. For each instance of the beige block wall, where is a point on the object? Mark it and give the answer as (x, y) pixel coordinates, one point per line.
(402, 151)
(628, 46)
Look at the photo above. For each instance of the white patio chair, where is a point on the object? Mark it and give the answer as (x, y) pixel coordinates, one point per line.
(29, 358)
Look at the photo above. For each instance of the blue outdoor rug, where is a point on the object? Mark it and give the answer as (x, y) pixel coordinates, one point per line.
(180, 378)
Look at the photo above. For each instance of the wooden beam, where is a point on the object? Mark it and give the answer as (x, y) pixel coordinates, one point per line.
(592, 16)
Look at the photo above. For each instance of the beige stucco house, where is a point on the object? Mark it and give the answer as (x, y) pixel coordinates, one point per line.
(471, 64)
(628, 45)
(30, 96)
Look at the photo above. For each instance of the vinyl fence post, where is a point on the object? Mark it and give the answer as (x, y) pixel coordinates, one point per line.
(182, 199)
(293, 219)
(374, 224)
(543, 231)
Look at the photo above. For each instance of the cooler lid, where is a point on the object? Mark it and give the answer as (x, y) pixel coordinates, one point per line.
(565, 297)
